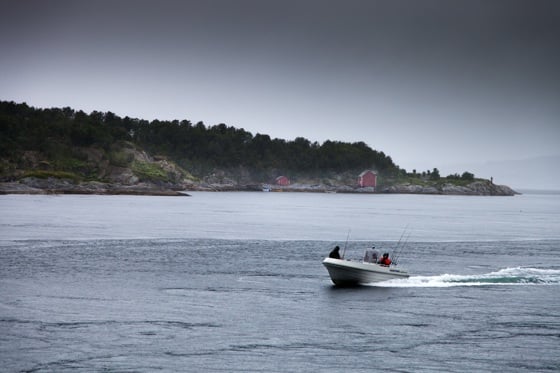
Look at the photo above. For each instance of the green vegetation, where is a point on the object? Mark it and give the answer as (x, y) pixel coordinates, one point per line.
(120, 158)
(60, 136)
(149, 172)
(433, 178)
(40, 174)
(68, 144)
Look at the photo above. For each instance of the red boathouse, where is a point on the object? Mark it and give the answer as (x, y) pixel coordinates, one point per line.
(282, 180)
(367, 178)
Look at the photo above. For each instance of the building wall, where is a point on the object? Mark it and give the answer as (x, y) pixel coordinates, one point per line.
(282, 180)
(368, 179)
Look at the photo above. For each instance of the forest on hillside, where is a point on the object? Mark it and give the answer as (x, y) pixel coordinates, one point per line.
(198, 148)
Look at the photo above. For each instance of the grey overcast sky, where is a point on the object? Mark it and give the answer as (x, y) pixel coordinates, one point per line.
(428, 82)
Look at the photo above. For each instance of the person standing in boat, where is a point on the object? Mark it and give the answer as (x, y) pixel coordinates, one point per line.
(385, 260)
(371, 255)
(335, 254)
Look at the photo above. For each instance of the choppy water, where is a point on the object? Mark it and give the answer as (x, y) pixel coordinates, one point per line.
(234, 282)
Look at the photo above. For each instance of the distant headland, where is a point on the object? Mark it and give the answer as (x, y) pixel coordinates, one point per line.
(62, 151)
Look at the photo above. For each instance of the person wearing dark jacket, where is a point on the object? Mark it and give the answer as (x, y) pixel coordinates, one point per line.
(335, 253)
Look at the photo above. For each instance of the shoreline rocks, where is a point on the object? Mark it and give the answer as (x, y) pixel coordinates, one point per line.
(33, 185)
(64, 186)
(476, 188)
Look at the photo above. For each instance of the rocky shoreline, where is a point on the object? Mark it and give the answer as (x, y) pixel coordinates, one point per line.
(63, 186)
(54, 186)
(476, 188)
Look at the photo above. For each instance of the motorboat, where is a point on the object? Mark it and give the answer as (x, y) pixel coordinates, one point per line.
(345, 272)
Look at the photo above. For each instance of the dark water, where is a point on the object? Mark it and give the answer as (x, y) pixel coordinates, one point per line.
(233, 282)
(268, 306)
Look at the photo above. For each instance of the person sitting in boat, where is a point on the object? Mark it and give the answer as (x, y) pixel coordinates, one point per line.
(371, 255)
(385, 260)
(335, 253)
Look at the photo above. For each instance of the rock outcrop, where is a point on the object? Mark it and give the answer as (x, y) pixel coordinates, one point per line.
(476, 188)
(33, 185)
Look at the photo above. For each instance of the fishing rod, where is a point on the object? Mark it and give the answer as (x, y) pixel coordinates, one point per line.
(399, 247)
(398, 254)
(344, 251)
(402, 234)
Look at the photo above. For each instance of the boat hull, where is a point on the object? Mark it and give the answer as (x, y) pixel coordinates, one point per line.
(346, 273)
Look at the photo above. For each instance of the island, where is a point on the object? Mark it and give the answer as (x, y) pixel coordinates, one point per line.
(63, 151)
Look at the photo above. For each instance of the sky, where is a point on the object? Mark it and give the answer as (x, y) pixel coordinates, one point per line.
(431, 83)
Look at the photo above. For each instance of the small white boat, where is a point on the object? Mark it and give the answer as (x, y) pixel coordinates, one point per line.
(346, 272)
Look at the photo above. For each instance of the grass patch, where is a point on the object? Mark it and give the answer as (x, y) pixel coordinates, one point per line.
(457, 182)
(41, 174)
(149, 171)
(407, 180)
(70, 164)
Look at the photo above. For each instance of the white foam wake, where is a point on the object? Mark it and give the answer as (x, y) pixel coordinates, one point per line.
(507, 276)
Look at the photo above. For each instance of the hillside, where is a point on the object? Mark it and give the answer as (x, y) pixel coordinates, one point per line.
(64, 151)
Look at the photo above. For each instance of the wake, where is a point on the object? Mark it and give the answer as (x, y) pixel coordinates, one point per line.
(508, 276)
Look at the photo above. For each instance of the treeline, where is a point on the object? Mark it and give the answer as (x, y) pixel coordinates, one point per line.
(434, 175)
(197, 147)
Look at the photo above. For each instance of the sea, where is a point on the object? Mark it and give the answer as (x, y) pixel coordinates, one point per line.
(233, 282)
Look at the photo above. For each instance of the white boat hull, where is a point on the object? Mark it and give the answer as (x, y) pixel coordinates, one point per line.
(346, 272)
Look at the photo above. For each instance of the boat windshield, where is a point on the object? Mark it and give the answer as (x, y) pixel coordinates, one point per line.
(371, 256)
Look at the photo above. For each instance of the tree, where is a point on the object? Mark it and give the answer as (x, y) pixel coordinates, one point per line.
(435, 174)
(467, 176)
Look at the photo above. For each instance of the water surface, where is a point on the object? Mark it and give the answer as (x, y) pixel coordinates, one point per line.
(233, 282)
